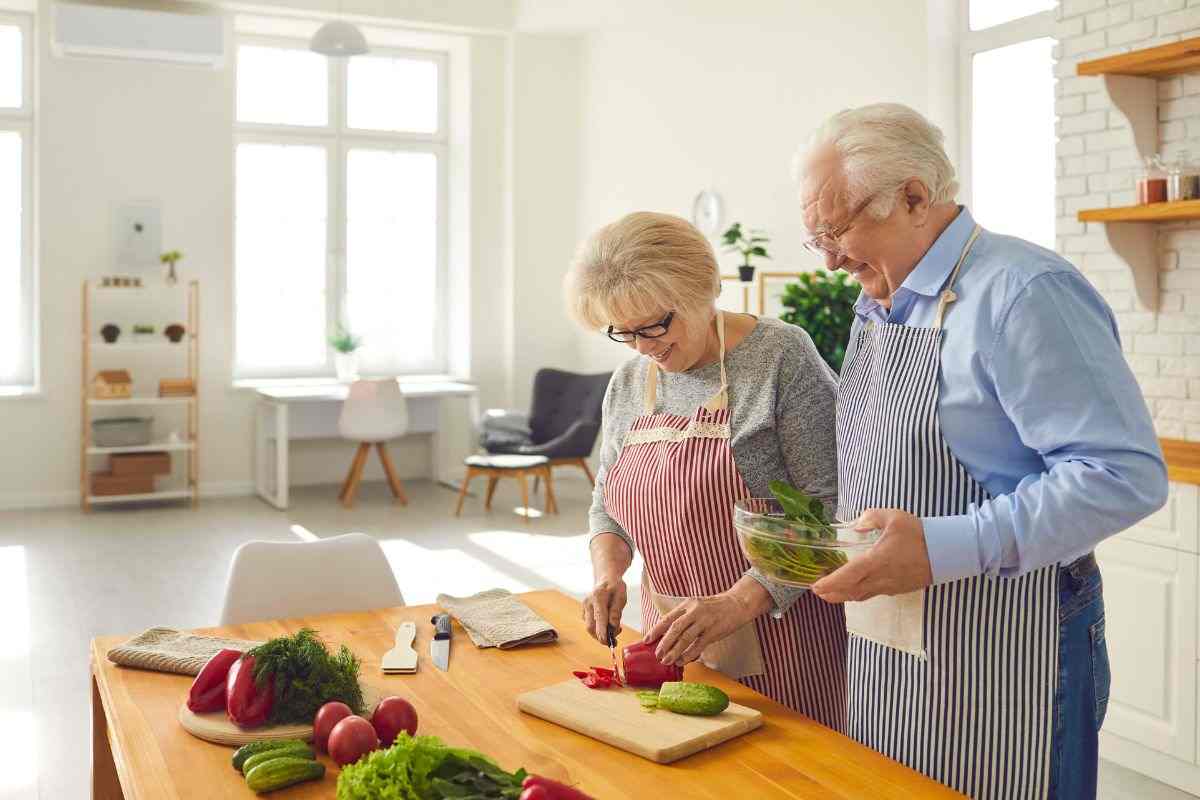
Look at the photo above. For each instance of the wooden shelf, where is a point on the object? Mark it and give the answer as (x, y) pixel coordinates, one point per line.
(153, 447)
(1153, 212)
(170, 494)
(1154, 62)
(99, 345)
(140, 401)
(1183, 460)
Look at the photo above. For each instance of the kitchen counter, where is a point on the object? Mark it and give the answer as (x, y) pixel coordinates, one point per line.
(140, 750)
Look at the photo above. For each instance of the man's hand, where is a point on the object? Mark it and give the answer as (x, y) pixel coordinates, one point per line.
(897, 564)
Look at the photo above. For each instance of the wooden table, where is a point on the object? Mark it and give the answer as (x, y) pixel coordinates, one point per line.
(140, 751)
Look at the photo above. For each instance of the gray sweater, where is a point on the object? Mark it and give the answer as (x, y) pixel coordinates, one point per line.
(782, 398)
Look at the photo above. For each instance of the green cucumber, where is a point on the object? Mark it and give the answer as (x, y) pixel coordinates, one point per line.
(696, 699)
(262, 745)
(277, 773)
(291, 751)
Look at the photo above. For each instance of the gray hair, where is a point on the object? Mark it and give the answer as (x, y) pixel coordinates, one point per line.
(880, 147)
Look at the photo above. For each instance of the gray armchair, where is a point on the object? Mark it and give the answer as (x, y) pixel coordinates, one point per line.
(563, 423)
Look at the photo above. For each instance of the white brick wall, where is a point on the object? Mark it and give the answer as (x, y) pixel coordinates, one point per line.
(1096, 163)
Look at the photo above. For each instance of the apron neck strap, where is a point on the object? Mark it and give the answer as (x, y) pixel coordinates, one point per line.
(948, 295)
(715, 403)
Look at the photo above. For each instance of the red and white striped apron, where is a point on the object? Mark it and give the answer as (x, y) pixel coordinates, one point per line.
(672, 489)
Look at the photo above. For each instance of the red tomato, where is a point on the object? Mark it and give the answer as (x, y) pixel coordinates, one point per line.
(327, 716)
(392, 715)
(351, 739)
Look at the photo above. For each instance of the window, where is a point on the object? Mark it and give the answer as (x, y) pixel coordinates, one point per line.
(17, 316)
(1007, 116)
(341, 174)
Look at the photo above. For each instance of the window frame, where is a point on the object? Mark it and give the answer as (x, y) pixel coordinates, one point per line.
(21, 120)
(338, 139)
(969, 43)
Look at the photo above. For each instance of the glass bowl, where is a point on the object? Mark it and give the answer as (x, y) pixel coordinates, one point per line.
(794, 553)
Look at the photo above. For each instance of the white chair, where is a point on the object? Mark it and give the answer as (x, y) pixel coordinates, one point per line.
(279, 580)
(373, 413)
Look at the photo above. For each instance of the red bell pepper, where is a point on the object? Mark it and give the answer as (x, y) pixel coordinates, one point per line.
(554, 789)
(208, 690)
(246, 703)
(642, 667)
(597, 677)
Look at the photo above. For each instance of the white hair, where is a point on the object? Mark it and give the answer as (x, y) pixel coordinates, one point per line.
(880, 147)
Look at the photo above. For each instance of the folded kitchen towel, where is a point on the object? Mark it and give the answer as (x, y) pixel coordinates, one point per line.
(496, 618)
(169, 650)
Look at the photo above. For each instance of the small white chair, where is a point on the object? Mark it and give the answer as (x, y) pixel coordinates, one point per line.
(373, 413)
(279, 580)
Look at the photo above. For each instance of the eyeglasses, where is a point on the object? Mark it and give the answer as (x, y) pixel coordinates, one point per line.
(825, 242)
(648, 332)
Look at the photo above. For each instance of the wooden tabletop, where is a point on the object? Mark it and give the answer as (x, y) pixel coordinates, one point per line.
(473, 705)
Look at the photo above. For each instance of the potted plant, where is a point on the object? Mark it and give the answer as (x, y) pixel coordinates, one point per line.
(822, 303)
(345, 355)
(174, 332)
(749, 244)
(142, 333)
(110, 332)
(169, 258)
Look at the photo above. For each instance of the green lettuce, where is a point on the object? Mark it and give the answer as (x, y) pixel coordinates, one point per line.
(425, 768)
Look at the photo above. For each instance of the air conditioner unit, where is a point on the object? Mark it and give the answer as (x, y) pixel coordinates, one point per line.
(130, 33)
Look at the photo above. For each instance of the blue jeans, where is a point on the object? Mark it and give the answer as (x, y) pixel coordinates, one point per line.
(1081, 697)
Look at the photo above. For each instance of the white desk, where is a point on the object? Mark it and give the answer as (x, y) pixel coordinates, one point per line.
(311, 412)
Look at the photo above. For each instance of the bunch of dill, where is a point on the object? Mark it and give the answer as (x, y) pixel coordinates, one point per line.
(306, 676)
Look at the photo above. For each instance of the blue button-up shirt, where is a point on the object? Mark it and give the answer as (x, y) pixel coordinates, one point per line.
(1035, 399)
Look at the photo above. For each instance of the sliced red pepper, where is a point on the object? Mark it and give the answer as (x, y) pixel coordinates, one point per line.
(208, 690)
(580, 674)
(555, 789)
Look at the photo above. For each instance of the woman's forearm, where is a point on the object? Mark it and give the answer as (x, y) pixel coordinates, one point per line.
(611, 557)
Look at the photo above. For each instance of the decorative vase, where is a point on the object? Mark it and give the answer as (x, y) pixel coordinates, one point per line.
(171, 278)
(347, 366)
(746, 274)
(110, 333)
(174, 332)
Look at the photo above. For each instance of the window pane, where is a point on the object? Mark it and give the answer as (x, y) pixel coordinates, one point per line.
(986, 13)
(1012, 140)
(280, 253)
(282, 86)
(391, 258)
(393, 94)
(12, 65)
(12, 328)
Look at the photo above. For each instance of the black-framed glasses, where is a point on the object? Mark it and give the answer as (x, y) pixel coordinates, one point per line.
(648, 332)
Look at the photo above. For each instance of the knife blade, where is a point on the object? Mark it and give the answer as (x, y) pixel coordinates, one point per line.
(439, 647)
(612, 651)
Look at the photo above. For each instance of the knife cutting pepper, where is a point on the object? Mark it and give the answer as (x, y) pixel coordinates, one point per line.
(208, 690)
(246, 703)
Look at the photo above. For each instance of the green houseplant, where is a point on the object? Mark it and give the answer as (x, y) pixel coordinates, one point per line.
(822, 303)
(749, 244)
(170, 258)
(345, 353)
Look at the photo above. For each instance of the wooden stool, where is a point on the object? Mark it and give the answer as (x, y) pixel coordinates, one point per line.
(350, 485)
(508, 466)
(567, 462)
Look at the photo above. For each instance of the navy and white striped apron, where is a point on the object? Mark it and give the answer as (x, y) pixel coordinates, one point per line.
(976, 712)
(672, 489)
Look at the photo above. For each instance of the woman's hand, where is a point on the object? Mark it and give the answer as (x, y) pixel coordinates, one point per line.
(603, 606)
(697, 622)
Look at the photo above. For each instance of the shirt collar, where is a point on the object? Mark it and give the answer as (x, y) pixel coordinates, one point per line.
(932, 271)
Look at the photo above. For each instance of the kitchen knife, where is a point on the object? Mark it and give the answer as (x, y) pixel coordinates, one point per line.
(439, 648)
(612, 650)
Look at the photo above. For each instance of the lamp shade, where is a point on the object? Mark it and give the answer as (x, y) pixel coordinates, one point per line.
(339, 38)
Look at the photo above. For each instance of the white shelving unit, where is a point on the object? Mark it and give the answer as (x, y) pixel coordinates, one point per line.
(93, 346)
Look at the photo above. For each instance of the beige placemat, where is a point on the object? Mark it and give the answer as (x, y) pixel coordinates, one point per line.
(169, 650)
(496, 618)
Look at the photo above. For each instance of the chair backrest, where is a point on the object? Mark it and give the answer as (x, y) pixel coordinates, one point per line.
(562, 398)
(279, 580)
(374, 411)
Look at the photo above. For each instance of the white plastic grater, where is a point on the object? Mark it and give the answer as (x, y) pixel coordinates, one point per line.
(401, 659)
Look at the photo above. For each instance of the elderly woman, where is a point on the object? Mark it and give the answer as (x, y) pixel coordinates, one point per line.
(989, 425)
(712, 408)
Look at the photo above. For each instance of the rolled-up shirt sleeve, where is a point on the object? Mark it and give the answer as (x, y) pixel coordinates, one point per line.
(1058, 372)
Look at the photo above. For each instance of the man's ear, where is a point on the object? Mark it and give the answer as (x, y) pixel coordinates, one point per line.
(917, 201)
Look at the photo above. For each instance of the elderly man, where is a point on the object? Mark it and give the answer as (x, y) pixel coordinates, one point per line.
(989, 425)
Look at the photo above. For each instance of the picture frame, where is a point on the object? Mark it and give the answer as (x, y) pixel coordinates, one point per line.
(735, 295)
(770, 290)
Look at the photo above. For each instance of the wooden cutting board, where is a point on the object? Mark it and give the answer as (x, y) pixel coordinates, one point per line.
(615, 717)
(215, 726)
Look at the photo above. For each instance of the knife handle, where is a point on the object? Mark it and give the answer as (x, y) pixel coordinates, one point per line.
(441, 624)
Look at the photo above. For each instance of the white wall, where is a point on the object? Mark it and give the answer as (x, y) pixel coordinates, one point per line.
(709, 93)
(109, 132)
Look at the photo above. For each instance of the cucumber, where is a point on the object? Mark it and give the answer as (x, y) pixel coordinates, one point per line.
(291, 751)
(262, 745)
(696, 699)
(277, 773)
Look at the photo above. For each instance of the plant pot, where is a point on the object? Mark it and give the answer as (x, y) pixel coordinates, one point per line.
(746, 274)
(110, 333)
(347, 366)
(174, 332)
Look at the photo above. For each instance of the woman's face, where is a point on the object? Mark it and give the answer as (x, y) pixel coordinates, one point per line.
(680, 348)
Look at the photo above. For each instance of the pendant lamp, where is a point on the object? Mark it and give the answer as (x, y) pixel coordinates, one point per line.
(339, 39)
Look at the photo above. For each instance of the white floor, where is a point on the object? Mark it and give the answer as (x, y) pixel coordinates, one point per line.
(66, 577)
